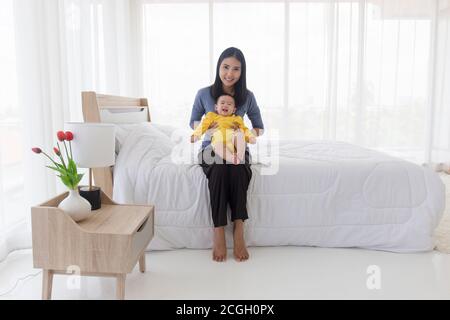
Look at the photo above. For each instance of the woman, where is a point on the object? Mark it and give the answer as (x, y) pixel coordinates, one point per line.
(227, 183)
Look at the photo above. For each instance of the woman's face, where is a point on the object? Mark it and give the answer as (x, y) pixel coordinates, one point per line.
(230, 71)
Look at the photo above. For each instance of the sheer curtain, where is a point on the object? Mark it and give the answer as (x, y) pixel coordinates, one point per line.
(359, 71)
(369, 72)
(12, 209)
(439, 129)
(54, 50)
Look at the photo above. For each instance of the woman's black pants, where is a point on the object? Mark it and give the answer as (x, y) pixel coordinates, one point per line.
(228, 184)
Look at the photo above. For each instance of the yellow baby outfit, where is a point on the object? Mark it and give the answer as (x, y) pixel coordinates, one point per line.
(225, 131)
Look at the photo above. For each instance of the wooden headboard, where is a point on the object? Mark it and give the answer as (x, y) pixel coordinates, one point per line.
(94, 105)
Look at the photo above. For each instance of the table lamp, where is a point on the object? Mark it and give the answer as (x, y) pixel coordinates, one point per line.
(93, 146)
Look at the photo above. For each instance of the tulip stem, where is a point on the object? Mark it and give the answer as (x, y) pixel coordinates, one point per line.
(61, 157)
(56, 165)
(67, 153)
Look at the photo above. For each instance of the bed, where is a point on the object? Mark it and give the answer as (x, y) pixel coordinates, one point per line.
(302, 193)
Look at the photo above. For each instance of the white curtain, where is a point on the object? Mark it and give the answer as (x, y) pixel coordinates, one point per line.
(370, 72)
(359, 71)
(439, 129)
(58, 48)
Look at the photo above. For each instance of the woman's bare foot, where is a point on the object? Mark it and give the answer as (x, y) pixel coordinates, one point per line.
(219, 248)
(240, 249)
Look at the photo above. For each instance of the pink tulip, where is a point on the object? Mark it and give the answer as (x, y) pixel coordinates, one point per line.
(69, 136)
(61, 135)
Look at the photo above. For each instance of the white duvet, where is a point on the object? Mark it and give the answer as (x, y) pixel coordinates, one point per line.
(325, 193)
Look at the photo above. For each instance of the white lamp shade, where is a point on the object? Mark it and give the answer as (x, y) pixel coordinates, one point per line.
(93, 144)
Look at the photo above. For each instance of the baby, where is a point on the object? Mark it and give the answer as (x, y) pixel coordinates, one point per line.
(227, 142)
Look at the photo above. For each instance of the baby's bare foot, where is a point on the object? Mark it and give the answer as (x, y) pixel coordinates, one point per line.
(219, 249)
(236, 159)
(240, 249)
(241, 157)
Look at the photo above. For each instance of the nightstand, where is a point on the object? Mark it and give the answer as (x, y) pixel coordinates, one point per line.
(108, 244)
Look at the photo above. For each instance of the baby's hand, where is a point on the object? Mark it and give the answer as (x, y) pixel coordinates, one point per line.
(194, 139)
(212, 128)
(252, 140)
(235, 125)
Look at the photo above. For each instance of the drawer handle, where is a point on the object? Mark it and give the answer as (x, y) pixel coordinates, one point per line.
(142, 225)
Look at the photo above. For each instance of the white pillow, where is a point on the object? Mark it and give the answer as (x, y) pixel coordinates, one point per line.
(124, 129)
(122, 132)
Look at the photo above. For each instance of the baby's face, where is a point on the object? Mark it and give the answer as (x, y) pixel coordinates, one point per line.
(225, 106)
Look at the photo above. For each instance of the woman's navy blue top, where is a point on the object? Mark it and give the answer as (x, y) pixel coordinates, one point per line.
(205, 103)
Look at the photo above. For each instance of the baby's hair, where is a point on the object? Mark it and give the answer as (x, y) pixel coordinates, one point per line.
(225, 94)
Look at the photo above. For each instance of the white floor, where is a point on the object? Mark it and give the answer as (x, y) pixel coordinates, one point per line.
(271, 273)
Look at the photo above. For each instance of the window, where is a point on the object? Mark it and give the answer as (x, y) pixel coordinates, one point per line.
(257, 28)
(355, 71)
(11, 143)
(176, 58)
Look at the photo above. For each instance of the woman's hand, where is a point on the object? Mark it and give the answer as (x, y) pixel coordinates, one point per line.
(194, 139)
(257, 132)
(252, 140)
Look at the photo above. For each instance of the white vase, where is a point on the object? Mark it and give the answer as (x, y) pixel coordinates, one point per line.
(76, 206)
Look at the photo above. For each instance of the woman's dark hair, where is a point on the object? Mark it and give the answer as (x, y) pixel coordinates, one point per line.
(240, 88)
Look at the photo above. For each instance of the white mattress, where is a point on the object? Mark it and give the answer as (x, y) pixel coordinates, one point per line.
(325, 193)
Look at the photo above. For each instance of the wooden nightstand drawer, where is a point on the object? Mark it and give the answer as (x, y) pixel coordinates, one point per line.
(141, 238)
(109, 243)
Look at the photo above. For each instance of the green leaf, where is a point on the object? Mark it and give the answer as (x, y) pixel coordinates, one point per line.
(67, 181)
(69, 176)
(59, 165)
(76, 178)
(72, 167)
(56, 169)
(80, 176)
